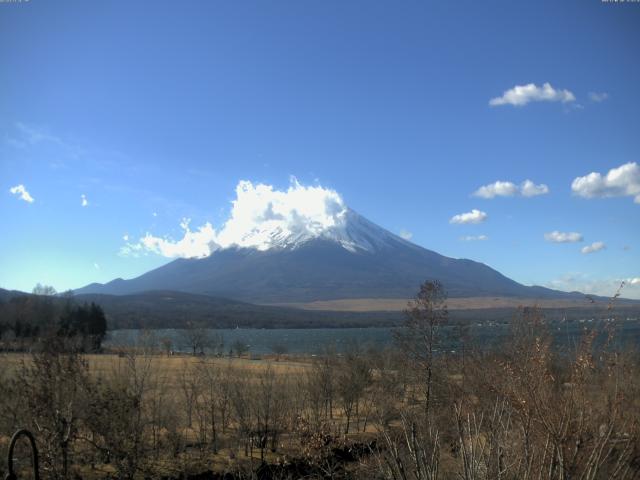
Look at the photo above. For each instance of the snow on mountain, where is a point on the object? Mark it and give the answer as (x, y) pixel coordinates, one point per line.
(358, 233)
(351, 258)
(264, 218)
(304, 244)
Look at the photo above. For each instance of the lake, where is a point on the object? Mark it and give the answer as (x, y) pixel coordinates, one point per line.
(317, 340)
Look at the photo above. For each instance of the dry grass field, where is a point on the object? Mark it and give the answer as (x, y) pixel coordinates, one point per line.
(400, 304)
(177, 401)
(170, 367)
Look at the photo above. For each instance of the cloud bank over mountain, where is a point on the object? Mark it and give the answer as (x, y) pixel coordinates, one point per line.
(261, 217)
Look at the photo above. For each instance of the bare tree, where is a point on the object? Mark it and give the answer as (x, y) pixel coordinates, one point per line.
(353, 377)
(161, 408)
(118, 422)
(322, 383)
(240, 348)
(279, 349)
(213, 402)
(44, 290)
(196, 338)
(167, 345)
(243, 414)
(269, 406)
(420, 336)
(54, 385)
(189, 383)
(216, 343)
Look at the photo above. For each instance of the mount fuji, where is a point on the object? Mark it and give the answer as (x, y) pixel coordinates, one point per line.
(351, 258)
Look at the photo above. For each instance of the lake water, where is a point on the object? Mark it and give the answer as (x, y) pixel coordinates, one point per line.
(318, 340)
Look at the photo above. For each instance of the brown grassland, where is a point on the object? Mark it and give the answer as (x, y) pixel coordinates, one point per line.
(466, 303)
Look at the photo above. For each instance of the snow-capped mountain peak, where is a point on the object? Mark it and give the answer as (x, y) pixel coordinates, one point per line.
(350, 230)
(357, 233)
(262, 218)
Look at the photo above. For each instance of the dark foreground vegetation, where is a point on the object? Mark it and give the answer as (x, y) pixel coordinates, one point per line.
(27, 319)
(525, 410)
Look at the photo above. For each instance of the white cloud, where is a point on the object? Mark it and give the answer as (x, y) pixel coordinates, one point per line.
(618, 182)
(83, 200)
(474, 216)
(22, 192)
(406, 234)
(509, 189)
(194, 244)
(563, 237)
(606, 287)
(496, 189)
(260, 216)
(474, 238)
(594, 247)
(260, 210)
(521, 95)
(530, 189)
(154, 214)
(96, 266)
(125, 237)
(598, 97)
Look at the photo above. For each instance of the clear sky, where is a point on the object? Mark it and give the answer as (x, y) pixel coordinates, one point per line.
(122, 118)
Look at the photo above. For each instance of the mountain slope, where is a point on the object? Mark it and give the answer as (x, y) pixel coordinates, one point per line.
(353, 259)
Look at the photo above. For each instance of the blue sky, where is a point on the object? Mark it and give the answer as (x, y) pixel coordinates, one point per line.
(154, 111)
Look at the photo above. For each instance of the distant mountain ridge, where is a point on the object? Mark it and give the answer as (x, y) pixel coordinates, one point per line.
(353, 259)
